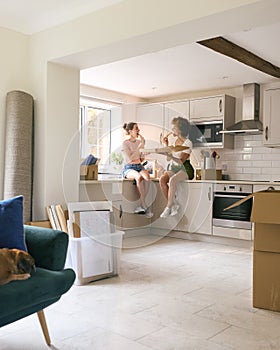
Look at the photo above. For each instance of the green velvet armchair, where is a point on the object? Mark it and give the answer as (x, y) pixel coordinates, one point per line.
(47, 284)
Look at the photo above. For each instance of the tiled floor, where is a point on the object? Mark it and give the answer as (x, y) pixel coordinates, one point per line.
(171, 295)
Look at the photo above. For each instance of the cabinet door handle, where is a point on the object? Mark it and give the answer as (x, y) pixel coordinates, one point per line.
(121, 211)
(266, 133)
(220, 105)
(209, 193)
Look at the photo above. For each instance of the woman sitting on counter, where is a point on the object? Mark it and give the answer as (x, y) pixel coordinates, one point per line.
(133, 168)
(180, 170)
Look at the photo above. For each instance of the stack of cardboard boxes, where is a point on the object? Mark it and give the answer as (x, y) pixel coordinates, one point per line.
(266, 267)
(266, 256)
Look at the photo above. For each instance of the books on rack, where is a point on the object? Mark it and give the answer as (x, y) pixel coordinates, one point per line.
(57, 217)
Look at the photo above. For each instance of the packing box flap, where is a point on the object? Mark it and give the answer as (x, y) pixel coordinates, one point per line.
(265, 208)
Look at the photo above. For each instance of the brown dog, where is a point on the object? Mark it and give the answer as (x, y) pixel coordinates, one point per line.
(15, 265)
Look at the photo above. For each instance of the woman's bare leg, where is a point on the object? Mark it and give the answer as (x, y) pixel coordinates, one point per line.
(146, 184)
(135, 175)
(173, 181)
(163, 182)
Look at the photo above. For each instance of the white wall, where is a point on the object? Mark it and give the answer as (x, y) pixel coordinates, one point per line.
(13, 76)
(62, 134)
(123, 30)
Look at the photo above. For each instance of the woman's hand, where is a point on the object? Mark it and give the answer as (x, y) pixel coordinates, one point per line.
(142, 144)
(165, 140)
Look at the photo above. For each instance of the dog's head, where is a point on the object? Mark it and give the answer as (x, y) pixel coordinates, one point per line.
(24, 261)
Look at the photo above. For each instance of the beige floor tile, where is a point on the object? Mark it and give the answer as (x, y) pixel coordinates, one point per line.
(171, 294)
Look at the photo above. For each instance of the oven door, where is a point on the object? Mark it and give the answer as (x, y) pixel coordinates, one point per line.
(238, 217)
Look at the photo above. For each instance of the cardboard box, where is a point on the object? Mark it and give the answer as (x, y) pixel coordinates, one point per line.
(89, 172)
(266, 256)
(267, 238)
(266, 267)
(211, 174)
(43, 223)
(266, 280)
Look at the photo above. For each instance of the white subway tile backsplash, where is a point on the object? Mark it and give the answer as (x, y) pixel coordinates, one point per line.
(274, 171)
(251, 156)
(252, 170)
(261, 163)
(250, 160)
(234, 170)
(246, 150)
(262, 150)
(272, 156)
(252, 143)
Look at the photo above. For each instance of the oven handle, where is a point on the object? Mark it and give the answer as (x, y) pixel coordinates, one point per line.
(229, 196)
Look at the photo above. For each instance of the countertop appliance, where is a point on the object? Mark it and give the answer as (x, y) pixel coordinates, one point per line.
(237, 219)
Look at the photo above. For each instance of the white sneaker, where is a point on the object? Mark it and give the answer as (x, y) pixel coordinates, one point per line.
(149, 214)
(174, 209)
(165, 213)
(139, 210)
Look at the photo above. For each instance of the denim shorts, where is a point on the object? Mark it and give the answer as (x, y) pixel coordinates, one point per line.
(137, 167)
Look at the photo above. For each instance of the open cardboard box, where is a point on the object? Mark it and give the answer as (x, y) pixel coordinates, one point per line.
(266, 259)
(89, 172)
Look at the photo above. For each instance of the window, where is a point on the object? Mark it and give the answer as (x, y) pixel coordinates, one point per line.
(101, 130)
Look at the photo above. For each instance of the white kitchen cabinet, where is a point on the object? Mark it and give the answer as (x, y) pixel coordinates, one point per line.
(198, 212)
(175, 109)
(220, 107)
(168, 224)
(172, 110)
(271, 118)
(214, 109)
(210, 108)
(150, 119)
(195, 214)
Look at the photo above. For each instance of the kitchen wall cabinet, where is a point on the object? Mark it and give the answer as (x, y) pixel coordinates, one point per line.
(172, 110)
(271, 118)
(150, 119)
(216, 108)
(207, 108)
(175, 109)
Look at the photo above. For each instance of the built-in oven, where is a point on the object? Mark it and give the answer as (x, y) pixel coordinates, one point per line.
(233, 222)
(206, 133)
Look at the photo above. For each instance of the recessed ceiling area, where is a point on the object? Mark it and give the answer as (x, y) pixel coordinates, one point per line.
(179, 66)
(188, 67)
(32, 16)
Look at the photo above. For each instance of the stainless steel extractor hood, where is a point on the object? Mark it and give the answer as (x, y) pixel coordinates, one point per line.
(250, 123)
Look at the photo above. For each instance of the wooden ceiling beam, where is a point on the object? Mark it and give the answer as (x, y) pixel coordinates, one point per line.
(228, 48)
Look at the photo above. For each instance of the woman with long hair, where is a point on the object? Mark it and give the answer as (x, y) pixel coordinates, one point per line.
(133, 168)
(181, 168)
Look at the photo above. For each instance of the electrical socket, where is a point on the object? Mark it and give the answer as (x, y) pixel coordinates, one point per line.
(224, 167)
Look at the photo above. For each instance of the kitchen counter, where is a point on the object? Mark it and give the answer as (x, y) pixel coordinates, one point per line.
(247, 182)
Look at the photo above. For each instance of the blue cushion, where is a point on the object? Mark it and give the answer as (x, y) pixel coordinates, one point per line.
(11, 223)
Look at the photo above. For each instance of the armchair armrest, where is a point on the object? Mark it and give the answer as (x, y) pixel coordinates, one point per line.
(48, 247)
